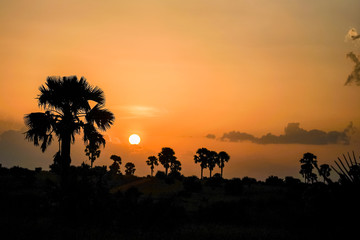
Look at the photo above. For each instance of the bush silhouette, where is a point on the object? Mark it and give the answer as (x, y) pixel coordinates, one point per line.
(234, 187)
(192, 184)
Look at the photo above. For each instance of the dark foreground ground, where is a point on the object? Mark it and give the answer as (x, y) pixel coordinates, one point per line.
(96, 205)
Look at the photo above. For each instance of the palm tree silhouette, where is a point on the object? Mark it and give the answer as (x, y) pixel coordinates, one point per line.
(213, 159)
(223, 157)
(67, 111)
(166, 157)
(202, 158)
(324, 171)
(95, 140)
(152, 162)
(308, 162)
(175, 166)
(130, 168)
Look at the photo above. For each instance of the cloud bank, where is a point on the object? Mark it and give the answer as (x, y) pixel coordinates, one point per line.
(294, 135)
(211, 136)
(354, 76)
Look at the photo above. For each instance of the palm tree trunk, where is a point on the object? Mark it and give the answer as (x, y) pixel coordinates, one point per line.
(65, 153)
(152, 171)
(166, 171)
(222, 172)
(210, 172)
(202, 173)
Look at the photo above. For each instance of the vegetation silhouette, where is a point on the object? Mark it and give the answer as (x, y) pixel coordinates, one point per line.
(115, 166)
(202, 158)
(65, 101)
(167, 158)
(349, 174)
(95, 140)
(129, 168)
(308, 161)
(223, 158)
(187, 207)
(152, 162)
(209, 159)
(212, 161)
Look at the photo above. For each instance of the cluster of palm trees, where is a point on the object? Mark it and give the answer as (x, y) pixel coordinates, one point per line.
(166, 158)
(209, 159)
(206, 158)
(308, 163)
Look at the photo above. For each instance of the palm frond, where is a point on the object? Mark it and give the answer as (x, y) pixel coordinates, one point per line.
(41, 126)
(103, 118)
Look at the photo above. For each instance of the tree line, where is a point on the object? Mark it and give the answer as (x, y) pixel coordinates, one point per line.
(206, 158)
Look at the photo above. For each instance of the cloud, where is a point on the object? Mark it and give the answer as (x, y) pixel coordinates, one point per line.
(138, 111)
(15, 151)
(8, 124)
(354, 76)
(353, 37)
(295, 135)
(211, 136)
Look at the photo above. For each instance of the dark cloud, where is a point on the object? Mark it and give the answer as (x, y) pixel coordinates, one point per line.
(354, 76)
(16, 151)
(211, 136)
(235, 136)
(295, 135)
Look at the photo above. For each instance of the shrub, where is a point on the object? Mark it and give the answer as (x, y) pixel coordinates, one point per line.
(234, 186)
(192, 184)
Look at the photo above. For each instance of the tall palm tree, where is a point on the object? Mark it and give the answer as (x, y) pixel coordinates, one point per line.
(212, 161)
(223, 157)
(152, 162)
(67, 110)
(202, 158)
(166, 157)
(308, 162)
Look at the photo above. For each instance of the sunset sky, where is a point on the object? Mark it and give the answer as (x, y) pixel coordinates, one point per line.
(186, 74)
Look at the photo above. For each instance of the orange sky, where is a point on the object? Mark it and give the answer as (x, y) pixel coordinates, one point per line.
(175, 71)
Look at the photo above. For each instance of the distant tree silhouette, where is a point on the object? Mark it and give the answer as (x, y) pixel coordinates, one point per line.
(116, 158)
(115, 167)
(202, 158)
(292, 181)
(248, 180)
(274, 180)
(308, 161)
(56, 167)
(212, 161)
(324, 171)
(223, 158)
(166, 157)
(175, 166)
(67, 111)
(152, 162)
(94, 140)
(130, 168)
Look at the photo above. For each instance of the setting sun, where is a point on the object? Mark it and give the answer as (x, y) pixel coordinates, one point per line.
(134, 139)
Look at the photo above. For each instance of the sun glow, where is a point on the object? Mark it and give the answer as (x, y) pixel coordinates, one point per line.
(134, 139)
